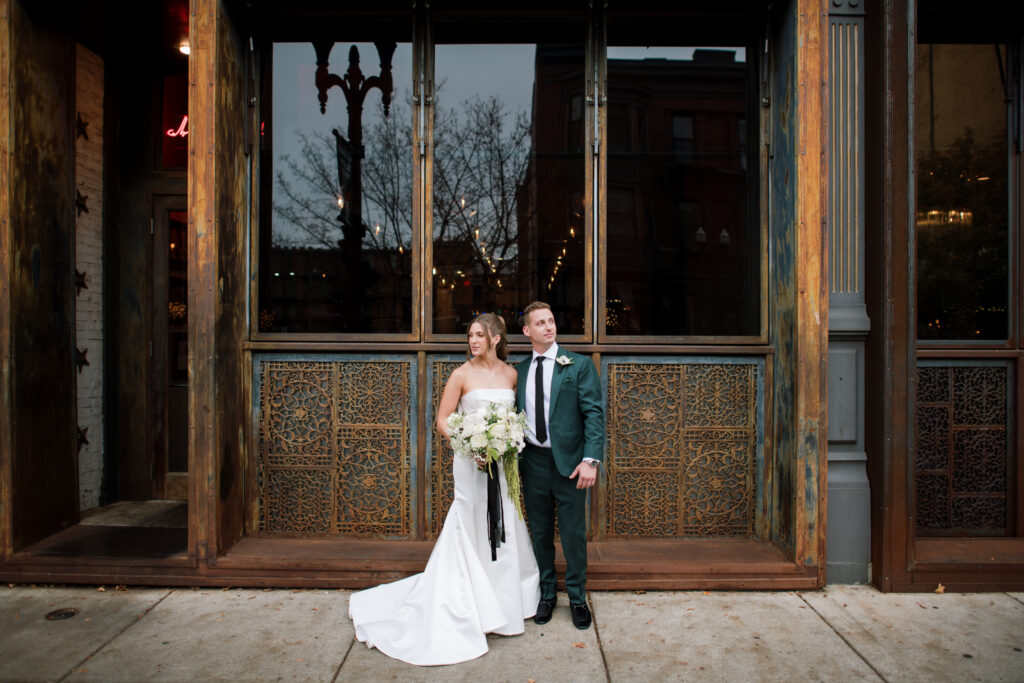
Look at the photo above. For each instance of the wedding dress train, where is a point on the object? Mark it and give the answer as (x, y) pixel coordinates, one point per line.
(442, 616)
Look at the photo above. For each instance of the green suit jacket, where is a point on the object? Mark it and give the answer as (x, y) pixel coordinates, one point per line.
(576, 418)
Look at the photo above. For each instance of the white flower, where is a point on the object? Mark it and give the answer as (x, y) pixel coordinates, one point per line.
(499, 431)
(563, 360)
(478, 440)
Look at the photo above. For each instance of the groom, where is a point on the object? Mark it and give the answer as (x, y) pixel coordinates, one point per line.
(561, 394)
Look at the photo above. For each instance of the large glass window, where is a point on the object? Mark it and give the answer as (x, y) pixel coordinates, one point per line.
(508, 214)
(962, 192)
(683, 246)
(336, 219)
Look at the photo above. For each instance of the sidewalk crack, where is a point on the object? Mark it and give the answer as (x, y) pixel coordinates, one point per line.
(1014, 597)
(600, 646)
(115, 636)
(344, 659)
(844, 638)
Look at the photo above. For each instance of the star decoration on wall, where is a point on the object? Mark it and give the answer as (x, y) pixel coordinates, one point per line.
(80, 128)
(79, 282)
(80, 359)
(82, 438)
(80, 202)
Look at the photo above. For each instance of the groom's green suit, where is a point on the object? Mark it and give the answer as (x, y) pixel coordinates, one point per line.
(576, 429)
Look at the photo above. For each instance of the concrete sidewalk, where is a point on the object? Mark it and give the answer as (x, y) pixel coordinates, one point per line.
(841, 633)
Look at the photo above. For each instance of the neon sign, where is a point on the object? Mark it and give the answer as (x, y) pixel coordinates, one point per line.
(181, 131)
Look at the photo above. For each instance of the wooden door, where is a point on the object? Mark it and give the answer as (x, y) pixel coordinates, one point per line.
(169, 349)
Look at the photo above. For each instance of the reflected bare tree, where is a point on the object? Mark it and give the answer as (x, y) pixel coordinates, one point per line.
(480, 163)
(308, 186)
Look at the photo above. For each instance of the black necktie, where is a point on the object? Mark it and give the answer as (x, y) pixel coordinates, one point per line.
(538, 410)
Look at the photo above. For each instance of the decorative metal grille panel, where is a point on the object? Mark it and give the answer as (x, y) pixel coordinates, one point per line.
(962, 449)
(441, 485)
(683, 445)
(334, 453)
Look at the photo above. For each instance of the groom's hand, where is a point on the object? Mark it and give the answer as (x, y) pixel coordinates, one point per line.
(585, 475)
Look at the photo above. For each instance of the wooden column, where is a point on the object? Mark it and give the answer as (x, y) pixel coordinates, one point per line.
(890, 355)
(812, 290)
(218, 187)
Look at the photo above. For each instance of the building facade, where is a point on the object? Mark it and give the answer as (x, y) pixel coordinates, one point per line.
(241, 247)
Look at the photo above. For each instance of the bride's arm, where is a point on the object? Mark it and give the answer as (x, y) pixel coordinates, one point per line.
(449, 400)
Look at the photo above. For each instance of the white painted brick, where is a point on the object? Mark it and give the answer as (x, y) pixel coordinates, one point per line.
(89, 259)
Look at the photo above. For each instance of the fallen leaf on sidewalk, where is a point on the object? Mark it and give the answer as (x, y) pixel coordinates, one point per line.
(940, 589)
(580, 645)
(314, 608)
(921, 606)
(530, 680)
(639, 592)
(301, 658)
(707, 593)
(844, 604)
(101, 589)
(17, 616)
(121, 588)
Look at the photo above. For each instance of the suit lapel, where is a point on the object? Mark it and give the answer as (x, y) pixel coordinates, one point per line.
(556, 385)
(523, 368)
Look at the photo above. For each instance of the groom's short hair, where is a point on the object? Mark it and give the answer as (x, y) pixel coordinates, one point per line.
(533, 306)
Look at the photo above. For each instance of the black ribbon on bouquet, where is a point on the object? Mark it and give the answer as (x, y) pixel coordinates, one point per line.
(495, 514)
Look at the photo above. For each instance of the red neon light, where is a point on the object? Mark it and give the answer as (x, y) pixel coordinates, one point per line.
(181, 131)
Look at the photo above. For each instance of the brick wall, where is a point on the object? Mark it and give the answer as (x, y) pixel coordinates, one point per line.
(89, 262)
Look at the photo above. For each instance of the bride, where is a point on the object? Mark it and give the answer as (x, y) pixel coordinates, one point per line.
(442, 616)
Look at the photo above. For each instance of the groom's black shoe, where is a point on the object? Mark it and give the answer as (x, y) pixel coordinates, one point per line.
(580, 616)
(544, 609)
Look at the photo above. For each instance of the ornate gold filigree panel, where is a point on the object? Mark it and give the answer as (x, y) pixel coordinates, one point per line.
(335, 453)
(441, 486)
(682, 448)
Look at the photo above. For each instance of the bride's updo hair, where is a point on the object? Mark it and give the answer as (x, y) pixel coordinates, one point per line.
(494, 326)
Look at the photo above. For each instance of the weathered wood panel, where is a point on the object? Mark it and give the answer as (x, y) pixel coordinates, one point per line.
(41, 323)
(233, 172)
(5, 274)
(781, 179)
(796, 178)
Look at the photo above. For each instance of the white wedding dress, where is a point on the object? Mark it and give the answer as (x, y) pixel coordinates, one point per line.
(442, 616)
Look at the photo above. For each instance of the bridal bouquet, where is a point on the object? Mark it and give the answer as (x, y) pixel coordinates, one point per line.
(489, 434)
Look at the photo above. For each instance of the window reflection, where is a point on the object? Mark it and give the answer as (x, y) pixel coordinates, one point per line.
(508, 183)
(962, 194)
(336, 233)
(682, 220)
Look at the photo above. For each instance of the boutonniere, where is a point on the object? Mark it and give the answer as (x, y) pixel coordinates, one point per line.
(563, 360)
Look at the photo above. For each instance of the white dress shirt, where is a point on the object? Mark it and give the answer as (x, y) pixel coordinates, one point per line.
(531, 393)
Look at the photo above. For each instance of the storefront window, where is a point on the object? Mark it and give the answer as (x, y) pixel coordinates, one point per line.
(336, 221)
(508, 214)
(683, 247)
(962, 192)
